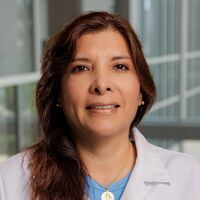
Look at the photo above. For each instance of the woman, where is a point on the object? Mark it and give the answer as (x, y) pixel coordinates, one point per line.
(94, 90)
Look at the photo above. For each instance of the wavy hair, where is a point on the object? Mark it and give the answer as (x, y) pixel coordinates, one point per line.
(57, 172)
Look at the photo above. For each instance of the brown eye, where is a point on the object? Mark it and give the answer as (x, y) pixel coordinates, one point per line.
(120, 67)
(79, 68)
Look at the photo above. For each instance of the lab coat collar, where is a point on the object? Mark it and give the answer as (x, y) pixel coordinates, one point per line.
(148, 169)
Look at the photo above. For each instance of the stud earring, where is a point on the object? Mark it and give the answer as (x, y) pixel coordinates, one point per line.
(58, 105)
(142, 103)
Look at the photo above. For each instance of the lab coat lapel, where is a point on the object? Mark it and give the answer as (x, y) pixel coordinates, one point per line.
(148, 170)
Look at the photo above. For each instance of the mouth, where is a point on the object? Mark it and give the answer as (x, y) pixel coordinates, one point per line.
(100, 106)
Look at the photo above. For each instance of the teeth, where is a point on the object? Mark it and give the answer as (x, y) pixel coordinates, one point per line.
(103, 107)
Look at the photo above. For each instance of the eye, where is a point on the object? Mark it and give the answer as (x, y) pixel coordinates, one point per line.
(120, 67)
(80, 68)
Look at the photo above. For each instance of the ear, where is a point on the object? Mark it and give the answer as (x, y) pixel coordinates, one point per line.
(141, 102)
(59, 102)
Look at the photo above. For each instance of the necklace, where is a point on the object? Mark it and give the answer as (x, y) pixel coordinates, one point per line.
(108, 195)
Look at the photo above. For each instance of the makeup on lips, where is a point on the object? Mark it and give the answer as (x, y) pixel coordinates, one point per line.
(102, 107)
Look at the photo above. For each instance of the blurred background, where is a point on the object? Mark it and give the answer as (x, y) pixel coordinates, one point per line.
(170, 34)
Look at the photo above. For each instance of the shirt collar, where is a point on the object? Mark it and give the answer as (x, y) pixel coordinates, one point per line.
(148, 161)
(148, 168)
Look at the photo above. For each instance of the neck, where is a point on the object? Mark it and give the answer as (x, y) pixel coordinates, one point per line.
(104, 160)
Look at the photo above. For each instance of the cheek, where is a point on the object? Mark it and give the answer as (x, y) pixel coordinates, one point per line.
(70, 94)
(133, 100)
(70, 100)
(73, 87)
(132, 92)
(135, 96)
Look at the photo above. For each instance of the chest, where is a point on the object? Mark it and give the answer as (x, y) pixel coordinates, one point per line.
(162, 191)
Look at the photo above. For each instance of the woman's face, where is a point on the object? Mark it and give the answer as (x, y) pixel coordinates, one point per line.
(100, 91)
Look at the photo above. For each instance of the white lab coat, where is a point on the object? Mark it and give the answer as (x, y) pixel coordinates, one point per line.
(158, 174)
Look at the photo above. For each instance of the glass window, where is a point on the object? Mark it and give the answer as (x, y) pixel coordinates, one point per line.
(193, 72)
(160, 26)
(168, 29)
(193, 25)
(194, 108)
(18, 121)
(7, 123)
(166, 76)
(106, 5)
(16, 50)
(27, 117)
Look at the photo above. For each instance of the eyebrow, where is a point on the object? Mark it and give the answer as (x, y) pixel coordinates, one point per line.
(120, 57)
(88, 60)
(81, 59)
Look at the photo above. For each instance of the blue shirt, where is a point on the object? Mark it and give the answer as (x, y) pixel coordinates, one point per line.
(95, 190)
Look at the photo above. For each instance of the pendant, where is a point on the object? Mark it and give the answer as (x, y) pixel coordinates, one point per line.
(107, 196)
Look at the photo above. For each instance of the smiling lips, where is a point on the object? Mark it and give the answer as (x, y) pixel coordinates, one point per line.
(102, 107)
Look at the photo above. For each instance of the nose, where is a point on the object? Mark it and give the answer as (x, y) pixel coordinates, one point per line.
(100, 85)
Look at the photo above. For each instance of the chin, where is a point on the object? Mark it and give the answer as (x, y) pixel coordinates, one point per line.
(105, 131)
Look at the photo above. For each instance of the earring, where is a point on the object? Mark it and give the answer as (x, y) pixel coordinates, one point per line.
(58, 105)
(142, 103)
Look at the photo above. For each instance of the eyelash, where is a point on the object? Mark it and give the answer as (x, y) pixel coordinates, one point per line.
(79, 68)
(122, 67)
(82, 68)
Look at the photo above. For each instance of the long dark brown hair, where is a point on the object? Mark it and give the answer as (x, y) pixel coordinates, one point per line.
(57, 172)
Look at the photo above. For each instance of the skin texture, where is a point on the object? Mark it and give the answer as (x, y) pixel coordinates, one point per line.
(102, 72)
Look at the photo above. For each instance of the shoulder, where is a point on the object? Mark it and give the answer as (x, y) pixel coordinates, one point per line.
(174, 157)
(172, 160)
(14, 177)
(176, 175)
(14, 165)
(12, 162)
(177, 163)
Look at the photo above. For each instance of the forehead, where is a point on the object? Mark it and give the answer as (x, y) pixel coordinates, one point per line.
(106, 40)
